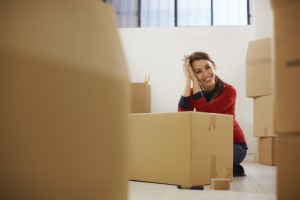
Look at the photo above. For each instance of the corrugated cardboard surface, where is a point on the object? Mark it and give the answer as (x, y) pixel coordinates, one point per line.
(212, 147)
(268, 150)
(58, 133)
(259, 68)
(288, 173)
(279, 3)
(263, 116)
(160, 147)
(140, 97)
(287, 68)
(180, 148)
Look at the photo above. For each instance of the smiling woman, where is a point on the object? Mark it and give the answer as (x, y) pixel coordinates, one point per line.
(210, 94)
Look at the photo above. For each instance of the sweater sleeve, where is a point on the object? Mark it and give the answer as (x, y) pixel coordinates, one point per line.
(188, 103)
(185, 104)
(218, 105)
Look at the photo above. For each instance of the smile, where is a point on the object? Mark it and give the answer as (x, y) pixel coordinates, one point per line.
(207, 79)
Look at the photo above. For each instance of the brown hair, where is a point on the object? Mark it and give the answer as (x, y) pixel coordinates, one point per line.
(219, 83)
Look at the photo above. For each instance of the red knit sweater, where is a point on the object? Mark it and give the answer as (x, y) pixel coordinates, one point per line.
(224, 104)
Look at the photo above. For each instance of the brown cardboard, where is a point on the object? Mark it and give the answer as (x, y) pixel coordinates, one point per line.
(60, 86)
(263, 116)
(287, 67)
(186, 148)
(280, 3)
(268, 150)
(259, 68)
(140, 97)
(288, 174)
(220, 184)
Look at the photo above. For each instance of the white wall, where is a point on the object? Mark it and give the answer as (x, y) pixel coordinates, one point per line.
(263, 19)
(158, 51)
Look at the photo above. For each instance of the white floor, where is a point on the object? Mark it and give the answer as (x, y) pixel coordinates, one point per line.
(259, 184)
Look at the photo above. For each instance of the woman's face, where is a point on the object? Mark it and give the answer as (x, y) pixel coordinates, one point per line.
(205, 72)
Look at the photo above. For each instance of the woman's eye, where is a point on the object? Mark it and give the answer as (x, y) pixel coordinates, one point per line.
(198, 72)
(208, 67)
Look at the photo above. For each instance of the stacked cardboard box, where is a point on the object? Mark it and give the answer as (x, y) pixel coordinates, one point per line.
(62, 126)
(140, 97)
(259, 79)
(185, 148)
(287, 94)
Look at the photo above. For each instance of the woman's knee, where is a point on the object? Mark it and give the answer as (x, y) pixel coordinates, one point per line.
(239, 154)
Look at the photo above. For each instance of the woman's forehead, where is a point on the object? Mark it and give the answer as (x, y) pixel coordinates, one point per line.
(200, 63)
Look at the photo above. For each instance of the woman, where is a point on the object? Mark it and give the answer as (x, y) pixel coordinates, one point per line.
(210, 94)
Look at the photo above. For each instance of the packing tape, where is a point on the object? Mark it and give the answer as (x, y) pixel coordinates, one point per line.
(220, 184)
(258, 62)
(213, 123)
(265, 131)
(213, 166)
(147, 78)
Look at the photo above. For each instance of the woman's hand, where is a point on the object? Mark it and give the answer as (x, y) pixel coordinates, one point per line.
(190, 75)
(188, 71)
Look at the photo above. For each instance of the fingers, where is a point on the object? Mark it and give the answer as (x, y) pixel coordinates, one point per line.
(187, 67)
(185, 59)
(186, 72)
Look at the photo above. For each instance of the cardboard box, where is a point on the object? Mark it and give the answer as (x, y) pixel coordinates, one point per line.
(140, 97)
(185, 148)
(288, 174)
(63, 128)
(287, 66)
(263, 116)
(268, 150)
(259, 68)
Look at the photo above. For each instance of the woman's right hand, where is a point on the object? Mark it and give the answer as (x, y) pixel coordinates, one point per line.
(187, 69)
(190, 77)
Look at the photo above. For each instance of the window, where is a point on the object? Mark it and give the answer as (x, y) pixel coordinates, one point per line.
(126, 12)
(194, 12)
(230, 12)
(157, 13)
(170, 13)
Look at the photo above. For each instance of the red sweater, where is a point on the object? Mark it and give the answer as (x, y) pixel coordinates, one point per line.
(224, 104)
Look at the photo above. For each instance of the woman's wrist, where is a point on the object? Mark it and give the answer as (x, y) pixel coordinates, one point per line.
(186, 91)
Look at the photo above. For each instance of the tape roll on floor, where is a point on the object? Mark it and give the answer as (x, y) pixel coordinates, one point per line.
(220, 184)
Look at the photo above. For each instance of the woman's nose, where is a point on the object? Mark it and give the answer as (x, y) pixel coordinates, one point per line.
(204, 73)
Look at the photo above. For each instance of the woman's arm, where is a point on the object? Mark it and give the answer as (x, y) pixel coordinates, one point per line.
(218, 105)
(185, 102)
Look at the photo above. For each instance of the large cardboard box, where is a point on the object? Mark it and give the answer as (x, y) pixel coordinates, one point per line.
(263, 116)
(287, 66)
(185, 148)
(268, 150)
(288, 173)
(259, 68)
(63, 128)
(140, 97)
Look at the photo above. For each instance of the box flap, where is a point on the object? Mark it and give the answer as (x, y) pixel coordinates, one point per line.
(159, 147)
(259, 52)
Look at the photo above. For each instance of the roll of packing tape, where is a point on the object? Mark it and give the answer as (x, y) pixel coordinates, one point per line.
(220, 184)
